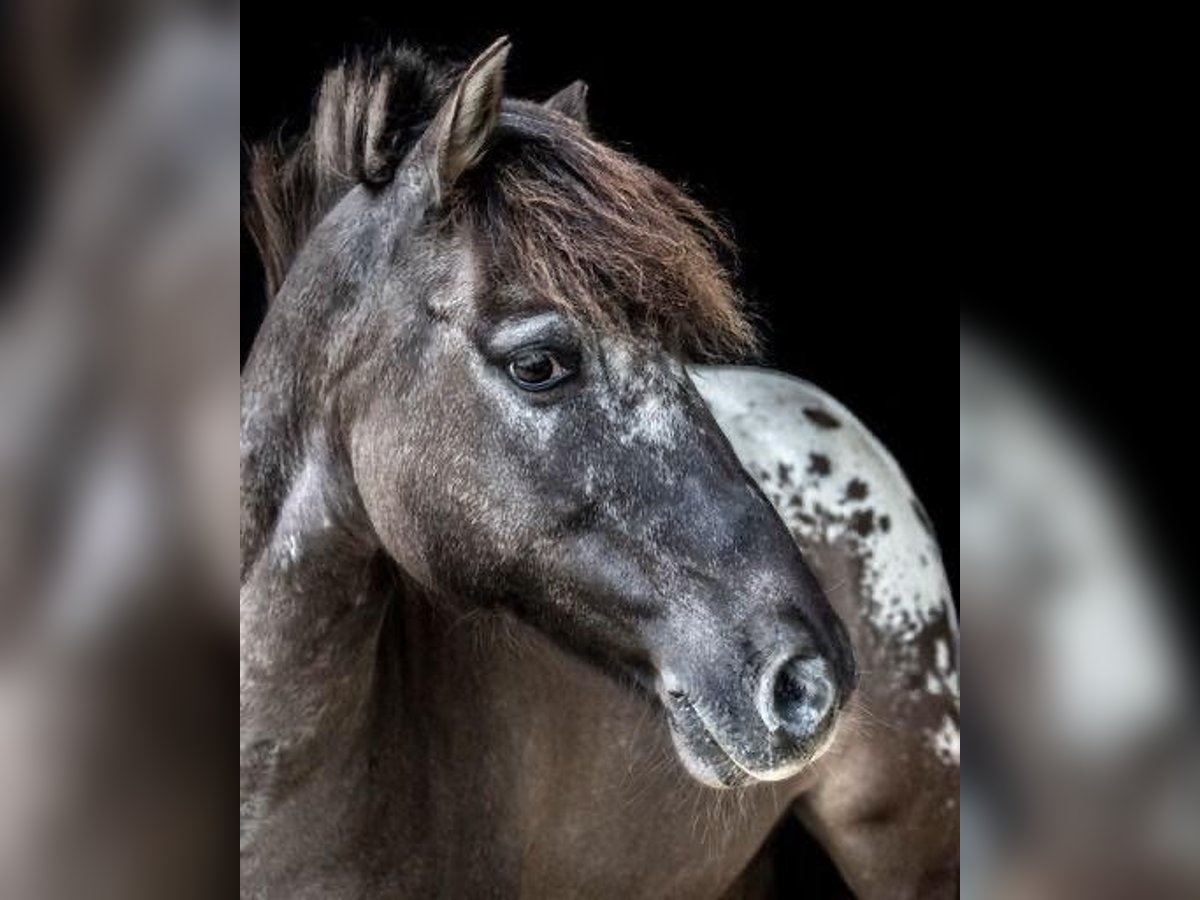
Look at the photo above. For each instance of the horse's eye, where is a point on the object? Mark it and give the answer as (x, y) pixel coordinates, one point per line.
(537, 370)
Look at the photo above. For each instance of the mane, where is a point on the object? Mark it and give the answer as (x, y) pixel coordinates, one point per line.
(368, 113)
(588, 229)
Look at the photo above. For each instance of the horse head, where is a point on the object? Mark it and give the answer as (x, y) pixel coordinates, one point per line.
(497, 317)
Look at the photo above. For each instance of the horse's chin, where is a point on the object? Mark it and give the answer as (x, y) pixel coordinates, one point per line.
(713, 761)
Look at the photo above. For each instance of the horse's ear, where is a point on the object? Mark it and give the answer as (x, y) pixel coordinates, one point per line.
(571, 101)
(461, 129)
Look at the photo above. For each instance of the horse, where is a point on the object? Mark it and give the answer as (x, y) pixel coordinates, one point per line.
(538, 598)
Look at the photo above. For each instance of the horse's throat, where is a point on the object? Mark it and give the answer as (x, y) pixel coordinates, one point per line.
(483, 699)
(312, 604)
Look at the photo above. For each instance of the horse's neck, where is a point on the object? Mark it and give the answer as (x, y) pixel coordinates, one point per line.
(312, 601)
(522, 767)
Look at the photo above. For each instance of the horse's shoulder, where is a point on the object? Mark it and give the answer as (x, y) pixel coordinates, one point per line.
(834, 484)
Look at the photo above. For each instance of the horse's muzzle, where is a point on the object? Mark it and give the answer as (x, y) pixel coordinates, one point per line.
(725, 741)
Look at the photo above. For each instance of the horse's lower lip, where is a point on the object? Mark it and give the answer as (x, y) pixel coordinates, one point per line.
(703, 752)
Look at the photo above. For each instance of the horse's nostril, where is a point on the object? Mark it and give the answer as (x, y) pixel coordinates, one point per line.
(799, 697)
(789, 690)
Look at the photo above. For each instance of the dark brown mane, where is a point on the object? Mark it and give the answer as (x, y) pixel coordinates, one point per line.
(369, 111)
(597, 234)
(587, 228)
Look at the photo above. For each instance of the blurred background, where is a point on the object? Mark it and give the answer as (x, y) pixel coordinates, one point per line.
(876, 173)
(1072, 167)
(118, 449)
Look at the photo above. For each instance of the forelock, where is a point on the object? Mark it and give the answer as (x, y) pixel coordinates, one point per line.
(593, 232)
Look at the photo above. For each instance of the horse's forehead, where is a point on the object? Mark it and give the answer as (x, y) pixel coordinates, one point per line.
(454, 272)
(639, 365)
(637, 387)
